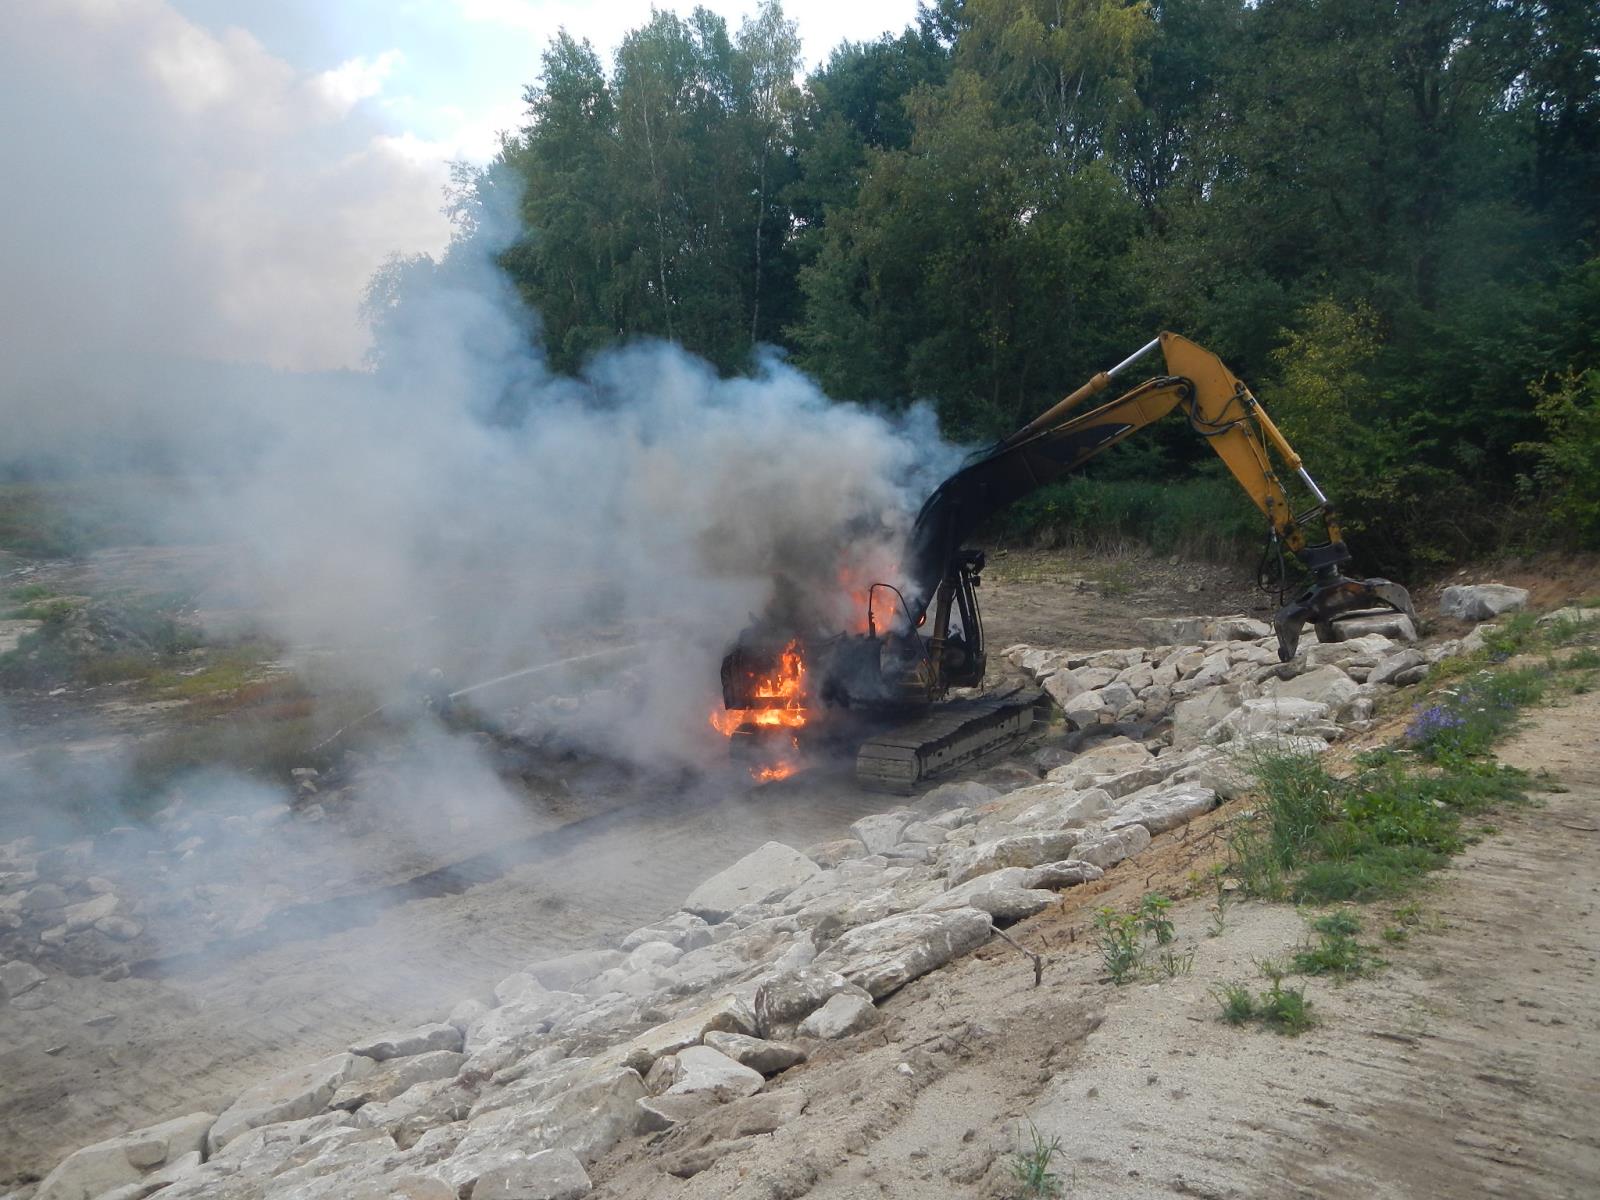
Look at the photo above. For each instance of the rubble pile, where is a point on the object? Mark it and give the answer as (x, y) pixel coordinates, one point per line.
(703, 1020)
(90, 905)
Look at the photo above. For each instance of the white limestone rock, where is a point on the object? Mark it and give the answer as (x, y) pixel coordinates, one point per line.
(291, 1096)
(129, 1159)
(967, 794)
(760, 877)
(683, 930)
(886, 955)
(546, 1175)
(788, 997)
(1060, 806)
(1108, 757)
(1572, 615)
(1325, 685)
(1023, 850)
(1193, 718)
(1396, 665)
(1481, 601)
(1106, 850)
(1165, 809)
(1276, 715)
(759, 1054)
(1087, 709)
(396, 1076)
(702, 1070)
(1058, 875)
(842, 1015)
(1238, 628)
(565, 973)
(879, 832)
(588, 1117)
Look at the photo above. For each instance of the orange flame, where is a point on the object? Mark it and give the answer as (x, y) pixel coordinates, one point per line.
(784, 692)
(786, 687)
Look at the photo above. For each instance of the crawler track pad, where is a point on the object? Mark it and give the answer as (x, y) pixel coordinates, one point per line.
(951, 734)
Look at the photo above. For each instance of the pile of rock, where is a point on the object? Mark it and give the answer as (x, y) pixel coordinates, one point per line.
(699, 1020)
(52, 903)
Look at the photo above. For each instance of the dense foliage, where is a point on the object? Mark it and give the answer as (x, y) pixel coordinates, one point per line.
(1383, 215)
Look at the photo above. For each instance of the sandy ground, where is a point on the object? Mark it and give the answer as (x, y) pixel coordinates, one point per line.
(1178, 1096)
(1465, 1067)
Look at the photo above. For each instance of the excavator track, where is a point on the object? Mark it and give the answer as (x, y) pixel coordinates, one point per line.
(948, 737)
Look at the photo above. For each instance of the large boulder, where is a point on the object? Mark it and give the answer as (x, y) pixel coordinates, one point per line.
(1325, 685)
(881, 832)
(1481, 601)
(398, 1076)
(128, 1159)
(1110, 757)
(1194, 717)
(1023, 850)
(841, 1016)
(421, 1040)
(564, 974)
(288, 1097)
(1166, 809)
(790, 996)
(1396, 665)
(886, 955)
(1238, 628)
(1087, 709)
(588, 1117)
(758, 1054)
(701, 1070)
(1276, 715)
(1058, 806)
(760, 877)
(546, 1175)
(1106, 850)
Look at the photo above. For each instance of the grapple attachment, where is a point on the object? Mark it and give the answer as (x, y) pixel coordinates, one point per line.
(1326, 602)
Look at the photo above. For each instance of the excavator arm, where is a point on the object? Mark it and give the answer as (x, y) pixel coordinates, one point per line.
(1219, 408)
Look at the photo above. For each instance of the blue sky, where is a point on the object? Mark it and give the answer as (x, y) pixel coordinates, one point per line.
(450, 73)
(219, 180)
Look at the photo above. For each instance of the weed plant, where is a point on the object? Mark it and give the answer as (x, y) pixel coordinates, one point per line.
(1031, 1167)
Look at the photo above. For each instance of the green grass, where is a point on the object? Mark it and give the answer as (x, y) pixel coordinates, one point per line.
(1281, 1009)
(1030, 1167)
(1322, 840)
(1335, 950)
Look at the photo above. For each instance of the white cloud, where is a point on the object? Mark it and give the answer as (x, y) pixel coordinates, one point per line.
(191, 193)
(356, 79)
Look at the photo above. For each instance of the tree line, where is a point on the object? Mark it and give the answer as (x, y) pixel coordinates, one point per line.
(1383, 215)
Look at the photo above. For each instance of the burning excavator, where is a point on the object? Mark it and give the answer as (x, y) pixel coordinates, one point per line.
(888, 687)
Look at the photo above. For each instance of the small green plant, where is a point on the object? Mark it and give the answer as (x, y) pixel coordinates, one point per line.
(1030, 1167)
(1153, 918)
(1336, 951)
(1238, 1005)
(1121, 947)
(1282, 1009)
(1173, 964)
(1285, 1010)
(1219, 906)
